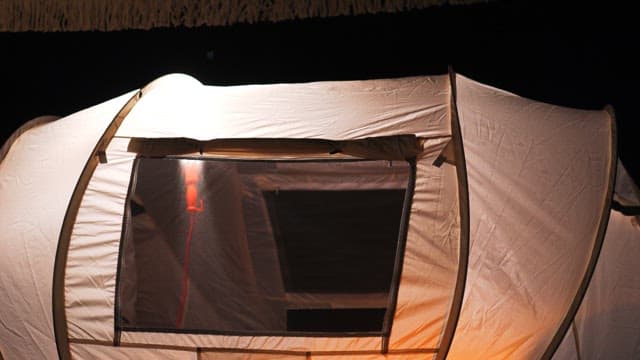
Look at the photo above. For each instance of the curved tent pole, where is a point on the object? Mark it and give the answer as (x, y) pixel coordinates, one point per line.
(97, 155)
(597, 246)
(463, 250)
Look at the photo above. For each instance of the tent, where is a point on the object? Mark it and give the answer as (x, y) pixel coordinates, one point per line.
(411, 218)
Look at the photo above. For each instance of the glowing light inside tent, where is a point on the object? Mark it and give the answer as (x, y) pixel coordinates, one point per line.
(192, 172)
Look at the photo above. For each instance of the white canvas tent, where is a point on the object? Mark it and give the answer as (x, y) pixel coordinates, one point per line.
(181, 221)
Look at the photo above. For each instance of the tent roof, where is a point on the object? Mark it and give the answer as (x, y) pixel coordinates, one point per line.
(540, 179)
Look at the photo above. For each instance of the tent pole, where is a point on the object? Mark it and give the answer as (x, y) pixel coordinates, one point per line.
(463, 250)
(597, 246)
(58, 303)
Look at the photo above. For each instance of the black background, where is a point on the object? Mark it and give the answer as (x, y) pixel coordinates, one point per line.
(572, 56)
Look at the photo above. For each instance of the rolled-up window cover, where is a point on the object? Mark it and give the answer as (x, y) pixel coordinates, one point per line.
(400, 147)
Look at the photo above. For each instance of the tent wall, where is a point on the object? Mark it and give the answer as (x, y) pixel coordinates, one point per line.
(430, 260)
(538, 180)
(90, 280)
(607, 322)
(94, 351)
(39, 173)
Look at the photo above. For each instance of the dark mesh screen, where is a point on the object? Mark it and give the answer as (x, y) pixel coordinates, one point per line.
(321, 236)
(260, 247)
(335, 320)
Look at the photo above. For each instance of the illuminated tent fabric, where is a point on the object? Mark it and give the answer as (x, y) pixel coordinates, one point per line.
(606, 326)
(504, 203)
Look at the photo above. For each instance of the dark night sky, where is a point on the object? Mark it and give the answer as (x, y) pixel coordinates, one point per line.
(567, 57)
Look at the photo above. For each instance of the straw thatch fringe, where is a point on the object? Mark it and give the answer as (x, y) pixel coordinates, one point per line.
(110, 15)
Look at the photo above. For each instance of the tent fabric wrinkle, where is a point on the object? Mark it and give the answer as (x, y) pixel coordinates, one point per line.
(606, 207)
(91, 351)
(414, 105)
(533, 221)
(22, 129)
(410, 218)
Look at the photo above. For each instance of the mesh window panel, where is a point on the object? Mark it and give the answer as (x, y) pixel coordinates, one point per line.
(260, 247)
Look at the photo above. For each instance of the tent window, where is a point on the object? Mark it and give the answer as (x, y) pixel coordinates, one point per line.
(252, 247)
(336, 226)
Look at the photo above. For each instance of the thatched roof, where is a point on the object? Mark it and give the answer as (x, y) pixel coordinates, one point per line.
(111, 15)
